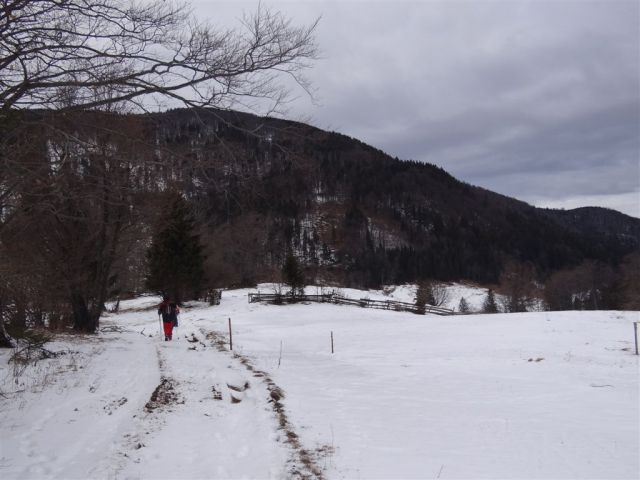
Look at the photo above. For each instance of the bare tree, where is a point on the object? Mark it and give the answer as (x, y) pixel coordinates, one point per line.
(114, 55)
(630, 279)
(431, 292)
(561, 290)
(518, 284)
(124, 55)
(440, 294)
(86, 54)
(72, 216)
(593, 286)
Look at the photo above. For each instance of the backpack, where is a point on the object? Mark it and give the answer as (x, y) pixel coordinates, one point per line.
(170, 313)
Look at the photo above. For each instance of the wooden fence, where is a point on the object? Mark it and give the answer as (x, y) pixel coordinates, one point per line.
(278, 299)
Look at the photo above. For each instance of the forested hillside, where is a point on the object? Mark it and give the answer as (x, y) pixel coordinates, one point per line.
(353, 214)
(87, 196)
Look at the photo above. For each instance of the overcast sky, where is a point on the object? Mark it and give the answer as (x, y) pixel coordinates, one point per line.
(538, 100)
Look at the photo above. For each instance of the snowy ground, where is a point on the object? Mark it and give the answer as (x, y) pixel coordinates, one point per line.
(534, 395)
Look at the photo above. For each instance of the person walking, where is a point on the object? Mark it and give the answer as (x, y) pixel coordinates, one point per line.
(169, 311)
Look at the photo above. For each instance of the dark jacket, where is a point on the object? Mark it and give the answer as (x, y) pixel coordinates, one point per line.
(169, 311)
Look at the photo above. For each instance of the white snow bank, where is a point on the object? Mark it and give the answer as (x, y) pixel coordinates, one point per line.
(534, 395)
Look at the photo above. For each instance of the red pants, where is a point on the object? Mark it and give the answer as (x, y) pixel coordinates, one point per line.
(168, 329)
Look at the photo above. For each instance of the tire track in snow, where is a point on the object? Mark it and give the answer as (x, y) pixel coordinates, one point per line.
(205, 419)
(304, 465)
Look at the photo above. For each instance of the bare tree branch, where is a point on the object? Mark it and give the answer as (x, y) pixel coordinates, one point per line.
(64, 53)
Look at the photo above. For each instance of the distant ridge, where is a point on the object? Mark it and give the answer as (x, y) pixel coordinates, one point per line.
(350, 213)
(599, 221)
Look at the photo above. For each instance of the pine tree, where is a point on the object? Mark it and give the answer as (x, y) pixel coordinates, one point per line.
(463, 307)
(490, 305)
(293, 275)
(175, 259)
(424, 296)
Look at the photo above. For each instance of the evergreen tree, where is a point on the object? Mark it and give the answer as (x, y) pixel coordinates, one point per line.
(293, 275)
(175, 259)
(490, 305)
(424, 296)
(463, 307)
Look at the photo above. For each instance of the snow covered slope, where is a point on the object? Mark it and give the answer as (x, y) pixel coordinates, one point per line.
(534, 395)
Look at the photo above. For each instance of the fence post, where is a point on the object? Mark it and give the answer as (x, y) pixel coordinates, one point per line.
(230, 336)
(332, 342)
(635, 335)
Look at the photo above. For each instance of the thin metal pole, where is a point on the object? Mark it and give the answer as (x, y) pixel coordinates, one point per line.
(331, 342)
(635, 335)
(230, 336)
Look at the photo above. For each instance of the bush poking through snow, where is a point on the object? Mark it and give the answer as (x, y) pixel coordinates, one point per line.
(463, 306)
(30, 350)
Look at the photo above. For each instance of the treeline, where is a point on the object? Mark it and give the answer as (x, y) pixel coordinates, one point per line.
(588, 286)
(92, 208)
(595, 286)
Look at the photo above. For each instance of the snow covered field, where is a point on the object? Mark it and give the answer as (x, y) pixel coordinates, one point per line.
(534, 395)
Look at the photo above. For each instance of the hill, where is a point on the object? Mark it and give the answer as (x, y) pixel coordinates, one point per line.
(357, 216)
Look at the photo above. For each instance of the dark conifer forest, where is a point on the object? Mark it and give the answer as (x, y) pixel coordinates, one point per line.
(359, 217)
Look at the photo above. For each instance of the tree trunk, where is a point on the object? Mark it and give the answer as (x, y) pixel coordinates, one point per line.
(83, 320)
(5, 339)
(20, 318)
